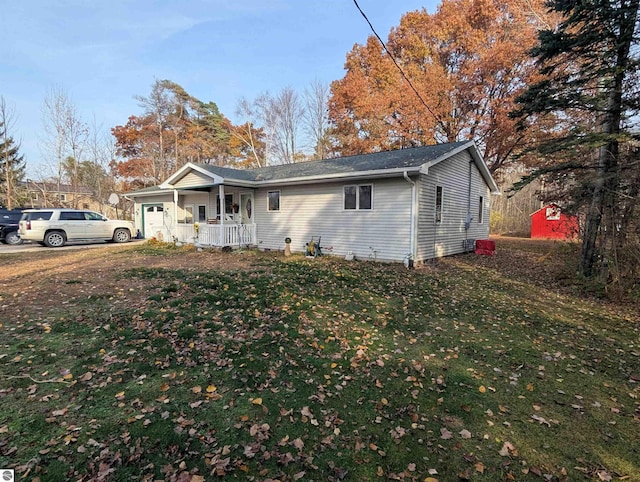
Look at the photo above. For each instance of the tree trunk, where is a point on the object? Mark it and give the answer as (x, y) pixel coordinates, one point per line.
(606, 184)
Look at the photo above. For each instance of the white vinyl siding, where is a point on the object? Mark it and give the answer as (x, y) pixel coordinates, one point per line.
(193, 179)
(447, 237)
(318, 210)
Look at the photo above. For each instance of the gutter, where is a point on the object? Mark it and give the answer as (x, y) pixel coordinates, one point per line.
(412, 215)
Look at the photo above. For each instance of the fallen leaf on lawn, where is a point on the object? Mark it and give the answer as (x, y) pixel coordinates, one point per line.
(465, 434)
(479, 467)
(430, 479)
(506, 449)
(59, 413)
(482, 389)
(306, 412)
(86, 377)
(604, 475)
(445, 434)
(119, 395)
(298, 443)
(164, 387)
(197, 389)
(257, 401)
(211, 388)
(540, 420)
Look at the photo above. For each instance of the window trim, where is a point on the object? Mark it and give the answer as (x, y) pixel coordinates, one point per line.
(358, 205)
(269, 201)
(439, 211)
(480, 210)
(187, 212)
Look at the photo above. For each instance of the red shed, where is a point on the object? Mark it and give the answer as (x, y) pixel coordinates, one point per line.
(551, 223)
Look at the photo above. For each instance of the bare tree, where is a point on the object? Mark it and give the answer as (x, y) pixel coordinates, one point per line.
(65, 134)
(250, 136)
(159, 106)
(280, 119)
(316, 117)
(289, 112)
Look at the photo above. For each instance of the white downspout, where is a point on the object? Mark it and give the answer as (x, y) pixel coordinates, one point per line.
(412, 214)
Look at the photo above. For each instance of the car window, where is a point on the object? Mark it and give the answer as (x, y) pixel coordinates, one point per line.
(91, 216)
(37, 216)
(10, 216)
(71, 216)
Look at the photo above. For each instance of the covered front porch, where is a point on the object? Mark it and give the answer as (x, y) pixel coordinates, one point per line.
(212, 216)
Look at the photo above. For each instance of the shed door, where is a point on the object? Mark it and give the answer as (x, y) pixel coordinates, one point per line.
(153, 219)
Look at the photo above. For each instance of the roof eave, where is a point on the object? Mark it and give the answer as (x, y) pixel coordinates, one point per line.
(336, 177)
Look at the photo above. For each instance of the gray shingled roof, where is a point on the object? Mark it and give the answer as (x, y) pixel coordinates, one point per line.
(398, 159)
(379, 161)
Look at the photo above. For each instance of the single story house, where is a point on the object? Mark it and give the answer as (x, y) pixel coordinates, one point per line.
(422, 202)
(549, 222)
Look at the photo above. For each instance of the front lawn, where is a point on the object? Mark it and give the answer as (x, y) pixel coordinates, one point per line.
(154, 363)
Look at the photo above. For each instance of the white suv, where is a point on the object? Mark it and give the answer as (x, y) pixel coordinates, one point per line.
(54, 227)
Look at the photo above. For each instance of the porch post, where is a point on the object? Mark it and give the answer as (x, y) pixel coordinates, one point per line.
(222, 212)
(175, 212)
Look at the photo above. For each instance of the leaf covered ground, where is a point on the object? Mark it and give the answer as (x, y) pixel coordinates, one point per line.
(159, 363)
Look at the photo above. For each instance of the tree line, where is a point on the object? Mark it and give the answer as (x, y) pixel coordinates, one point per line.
(545, 89)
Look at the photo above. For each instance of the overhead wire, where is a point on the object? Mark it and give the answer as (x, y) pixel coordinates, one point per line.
(384, 46)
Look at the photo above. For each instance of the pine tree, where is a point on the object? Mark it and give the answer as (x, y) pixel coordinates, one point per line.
(12, 169)
(590, 61)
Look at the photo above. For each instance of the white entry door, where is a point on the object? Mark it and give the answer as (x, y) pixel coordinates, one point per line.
(153, 219)
(246, 208)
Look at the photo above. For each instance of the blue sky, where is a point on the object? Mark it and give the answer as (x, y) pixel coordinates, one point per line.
(102, 54)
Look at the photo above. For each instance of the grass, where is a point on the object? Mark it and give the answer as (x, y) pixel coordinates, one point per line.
(324, 370)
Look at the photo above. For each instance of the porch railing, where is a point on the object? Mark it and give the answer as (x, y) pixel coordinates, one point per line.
(217, 234)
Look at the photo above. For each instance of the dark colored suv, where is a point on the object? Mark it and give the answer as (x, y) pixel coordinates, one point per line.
(9, 226)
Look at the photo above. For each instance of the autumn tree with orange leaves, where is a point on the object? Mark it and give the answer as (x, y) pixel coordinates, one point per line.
(175, 128)
(468, 61)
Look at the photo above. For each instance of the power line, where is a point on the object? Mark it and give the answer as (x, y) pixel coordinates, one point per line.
(384, 46)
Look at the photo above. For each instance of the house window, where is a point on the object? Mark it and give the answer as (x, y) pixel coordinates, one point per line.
(480, 209)
(188, 214)
(274, 200)
(228, 205)
(62, 197)
(358, 197)
(438, 204)
(202, 213)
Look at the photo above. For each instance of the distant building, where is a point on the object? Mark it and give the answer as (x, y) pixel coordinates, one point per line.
(550, 222)
(48, 194)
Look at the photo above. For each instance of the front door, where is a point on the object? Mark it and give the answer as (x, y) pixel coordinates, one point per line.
(246, 208)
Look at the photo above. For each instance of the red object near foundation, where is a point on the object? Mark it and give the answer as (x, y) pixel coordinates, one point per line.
(485, 247)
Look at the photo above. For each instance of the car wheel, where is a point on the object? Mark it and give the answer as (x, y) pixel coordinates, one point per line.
(54, 239)
(13, 238)
(121, 236)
